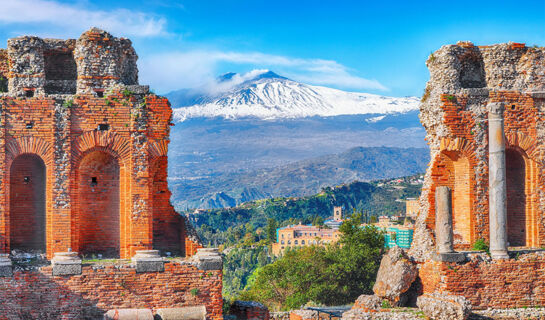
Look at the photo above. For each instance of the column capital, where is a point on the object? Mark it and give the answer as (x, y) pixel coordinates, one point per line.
(496, 108)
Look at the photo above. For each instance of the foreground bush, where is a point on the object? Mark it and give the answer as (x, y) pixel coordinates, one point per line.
(334, 275)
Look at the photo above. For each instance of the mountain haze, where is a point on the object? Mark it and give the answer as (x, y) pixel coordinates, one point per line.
(260, 135)
(300, 178)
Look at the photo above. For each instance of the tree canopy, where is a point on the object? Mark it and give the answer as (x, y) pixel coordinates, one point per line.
(332, 275)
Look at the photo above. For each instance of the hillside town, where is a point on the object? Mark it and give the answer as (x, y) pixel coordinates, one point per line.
(398, 231)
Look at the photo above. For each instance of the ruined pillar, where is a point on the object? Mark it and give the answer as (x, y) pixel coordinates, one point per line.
(497, 182)
(444, 236)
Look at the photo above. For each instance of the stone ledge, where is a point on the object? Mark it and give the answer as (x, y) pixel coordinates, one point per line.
(182, 313)
(66, 264)
(6, 269)
(138, 89)
(128, 314)
(208, 259)
(449, 257)
(148, 261)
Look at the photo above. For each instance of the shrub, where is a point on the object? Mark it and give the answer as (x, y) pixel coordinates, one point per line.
(481, 245)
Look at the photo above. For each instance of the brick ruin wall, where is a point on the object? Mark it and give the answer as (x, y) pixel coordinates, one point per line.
(463, 79)
(513, 283)
(48, 133)
(83, 168)
(39, 295)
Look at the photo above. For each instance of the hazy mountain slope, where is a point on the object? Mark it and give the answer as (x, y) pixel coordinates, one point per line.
(247, 137)
(299, 178)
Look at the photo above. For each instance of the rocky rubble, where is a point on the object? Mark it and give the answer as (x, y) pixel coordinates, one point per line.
(509, 314)
(368, 303)
(395, 276)
(389, 314)
(440, 306)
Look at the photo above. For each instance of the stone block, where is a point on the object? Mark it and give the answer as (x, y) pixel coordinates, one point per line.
(368, 303)
(395, 276)
(208, 259)
(138, 89)
(6, 269)
(128, 314)
(441, 306)
(304, 314)
(148, 261)
(66, 264)
(449, 257)
(183, 313)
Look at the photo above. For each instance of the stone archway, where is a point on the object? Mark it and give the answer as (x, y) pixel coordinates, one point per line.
(98, 184)
(27, 203)
(457, 176)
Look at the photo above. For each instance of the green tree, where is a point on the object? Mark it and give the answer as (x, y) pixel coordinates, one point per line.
(331, 275)
(318, 221)
(270, 229)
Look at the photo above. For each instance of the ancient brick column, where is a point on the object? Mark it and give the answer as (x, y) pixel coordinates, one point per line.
(443, 220)
(497, 182)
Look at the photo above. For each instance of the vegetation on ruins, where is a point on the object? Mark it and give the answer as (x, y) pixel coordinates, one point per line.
(333, 275)
(3, 84)
(481, 245)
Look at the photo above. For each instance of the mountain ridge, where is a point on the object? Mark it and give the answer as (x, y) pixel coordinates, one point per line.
(264, 94)
(300, 178)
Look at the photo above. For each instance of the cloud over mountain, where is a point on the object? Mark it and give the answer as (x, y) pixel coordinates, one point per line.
(191, 69)
(265, 95)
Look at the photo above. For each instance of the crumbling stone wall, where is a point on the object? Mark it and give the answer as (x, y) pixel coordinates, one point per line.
(83, 168)
(76, 105)
(95, 62)
(463, 79)
(40, 295)
(500, 284)
(3, 70)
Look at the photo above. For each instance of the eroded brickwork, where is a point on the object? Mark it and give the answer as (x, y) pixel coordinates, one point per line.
(464, 79)
(4, 69)
(501, 284)
(83, 168)
(103, 185)
(39, 295)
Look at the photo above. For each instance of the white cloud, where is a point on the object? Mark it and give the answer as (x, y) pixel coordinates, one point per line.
(119, 21)
(175, 70)
(222, 86)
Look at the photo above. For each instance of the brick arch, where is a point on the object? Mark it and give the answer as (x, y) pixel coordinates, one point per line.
(523, 142)
(158, 148)
(31, 146)
(453, 167)
(523, 189)
(458, 144)
(117, 149)
(106, 141)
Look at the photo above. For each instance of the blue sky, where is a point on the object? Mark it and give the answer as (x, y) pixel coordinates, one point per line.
(378, 47)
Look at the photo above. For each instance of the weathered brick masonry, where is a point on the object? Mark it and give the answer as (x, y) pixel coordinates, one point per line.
(39, 295)
(499, 284)
(465, 79)
(83, 168)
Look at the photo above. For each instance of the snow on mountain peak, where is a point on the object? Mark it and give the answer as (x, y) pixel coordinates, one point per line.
(265, 95)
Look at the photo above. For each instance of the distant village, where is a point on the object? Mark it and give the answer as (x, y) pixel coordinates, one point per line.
(398, 230)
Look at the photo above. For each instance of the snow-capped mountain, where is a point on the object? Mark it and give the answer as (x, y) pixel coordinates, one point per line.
(266, 95)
